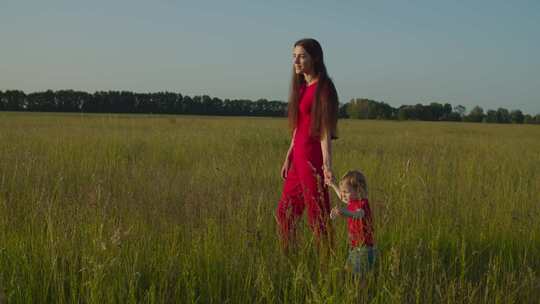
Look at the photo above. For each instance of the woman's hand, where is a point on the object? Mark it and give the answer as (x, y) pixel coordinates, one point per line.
(326, 148)
(328, 176)
(285, 168)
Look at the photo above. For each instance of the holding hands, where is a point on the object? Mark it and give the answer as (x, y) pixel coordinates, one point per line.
(328, 175)
(333, 185)
(335, 212)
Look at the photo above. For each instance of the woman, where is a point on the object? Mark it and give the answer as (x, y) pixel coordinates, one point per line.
(312, 111)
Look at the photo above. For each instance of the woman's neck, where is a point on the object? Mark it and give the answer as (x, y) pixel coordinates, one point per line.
(311, 78)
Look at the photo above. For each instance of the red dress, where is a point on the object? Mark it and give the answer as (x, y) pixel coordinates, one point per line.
(304, 185)
(360, 230)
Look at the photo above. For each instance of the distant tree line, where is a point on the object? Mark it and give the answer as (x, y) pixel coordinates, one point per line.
(176, 103)
(362, 108)
(129, 102)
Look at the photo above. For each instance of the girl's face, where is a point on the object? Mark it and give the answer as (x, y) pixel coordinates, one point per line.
(302, 61)
(347, 192)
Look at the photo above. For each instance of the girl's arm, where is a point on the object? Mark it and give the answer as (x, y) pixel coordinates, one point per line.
(358, 214)
(336, 190)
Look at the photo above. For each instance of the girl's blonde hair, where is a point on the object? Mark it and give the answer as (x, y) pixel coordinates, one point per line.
(356, 180)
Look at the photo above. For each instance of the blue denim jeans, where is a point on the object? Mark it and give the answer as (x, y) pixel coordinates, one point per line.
(361, 259)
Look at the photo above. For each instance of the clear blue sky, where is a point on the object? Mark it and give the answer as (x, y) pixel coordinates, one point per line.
(403, 52)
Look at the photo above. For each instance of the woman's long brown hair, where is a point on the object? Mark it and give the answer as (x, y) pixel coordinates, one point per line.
(324, 111)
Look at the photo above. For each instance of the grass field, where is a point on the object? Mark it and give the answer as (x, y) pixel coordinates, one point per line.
(157, 209)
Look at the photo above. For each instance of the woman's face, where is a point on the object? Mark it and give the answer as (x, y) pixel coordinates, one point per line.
(302, 61)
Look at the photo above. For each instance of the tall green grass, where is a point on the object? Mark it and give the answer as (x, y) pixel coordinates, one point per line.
(157, 209)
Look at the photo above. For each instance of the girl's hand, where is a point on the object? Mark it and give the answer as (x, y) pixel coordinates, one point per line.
(334, 213)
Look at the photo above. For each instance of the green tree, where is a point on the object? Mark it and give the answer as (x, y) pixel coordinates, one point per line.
(460, 110)
(14, 100)
(517, 116)
(405, 112)
(353, 109)
(343, 110)
(437, 110)
(491, 116)
(503, 116)
(476, 115)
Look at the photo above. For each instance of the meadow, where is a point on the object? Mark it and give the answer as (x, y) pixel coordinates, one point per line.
(180, 209)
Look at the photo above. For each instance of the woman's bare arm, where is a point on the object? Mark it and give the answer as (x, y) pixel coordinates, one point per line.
(291, 145)
(288, 158)
(326, 147)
